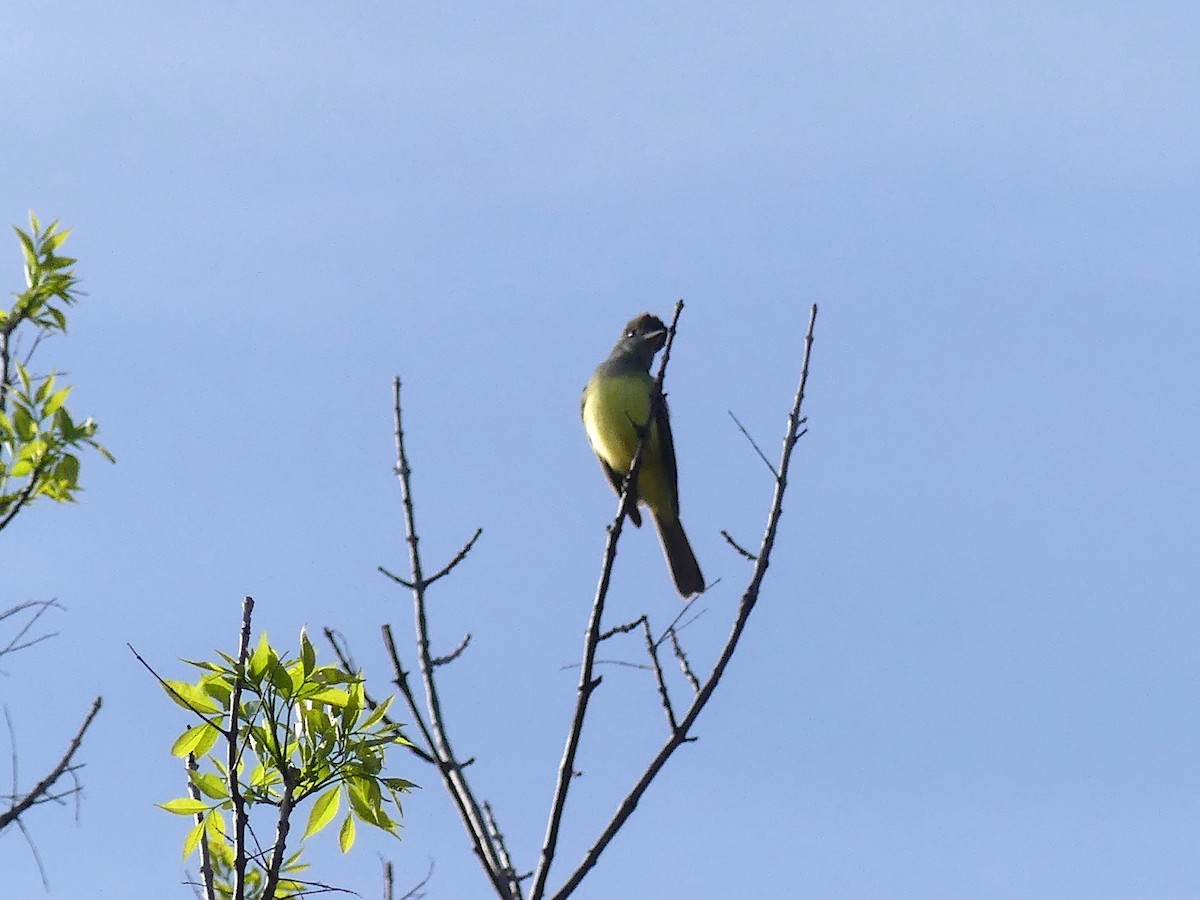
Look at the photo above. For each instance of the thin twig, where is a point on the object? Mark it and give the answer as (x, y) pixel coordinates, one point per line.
(736, 546)
(458, 557)
(510, 872)
(623, 628)
(37, 857)
(41, 607)
(684, 665)
(664, 695)
(753, 444)
(415, 892)
(453, 654)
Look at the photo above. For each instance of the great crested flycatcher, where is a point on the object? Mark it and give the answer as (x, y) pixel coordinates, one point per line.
(616, 405)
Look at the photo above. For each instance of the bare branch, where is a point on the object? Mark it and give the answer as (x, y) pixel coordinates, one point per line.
(434, 728)
(41, 792)
(414, 893)
(283, 826)
(401, 681)
(453, 654)
(684, 665)
(736, 546)
(396, 578)
(37, 857)
(664, 695)
(458, 557)
(510, 873)
(19, 641)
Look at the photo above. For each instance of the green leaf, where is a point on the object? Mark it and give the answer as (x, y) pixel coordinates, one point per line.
(57, 399)
(280, 677)
(193, 839)
(365, 799)
(209, 785)
(23, 423)
(57, 239)
(218, 687)
(308, 656)
(189, 696)
(67, 471)
(261, 657)
(331, 696)
(377, 713)
(44, 388)
(324, 809)
(197, 740)
(346, 834)
(184, 806)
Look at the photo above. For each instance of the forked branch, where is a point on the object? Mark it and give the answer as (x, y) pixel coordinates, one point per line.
(749, 598)
(431, 720)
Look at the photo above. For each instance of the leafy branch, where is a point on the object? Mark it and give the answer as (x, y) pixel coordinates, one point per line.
(39, 438)
(272, 733)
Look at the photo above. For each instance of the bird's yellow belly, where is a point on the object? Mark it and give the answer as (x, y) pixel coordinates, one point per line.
(612, 407)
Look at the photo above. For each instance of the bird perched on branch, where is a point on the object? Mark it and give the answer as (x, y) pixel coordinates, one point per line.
(617, 404)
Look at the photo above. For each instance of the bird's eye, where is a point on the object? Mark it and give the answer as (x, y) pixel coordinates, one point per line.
(629, 332)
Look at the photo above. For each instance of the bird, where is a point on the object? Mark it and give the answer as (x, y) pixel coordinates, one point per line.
(616, 406)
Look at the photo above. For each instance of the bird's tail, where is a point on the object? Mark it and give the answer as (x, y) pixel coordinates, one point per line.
(684, 568)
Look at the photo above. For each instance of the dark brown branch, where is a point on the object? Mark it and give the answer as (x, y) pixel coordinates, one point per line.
(736, 546)
(445, 570)
(749, 598)
(401, 681)
(18, 642)
(588, 683)
(435, 728)
(240, 815)
(623, 628)
(458, 557)
(453, 654)
(27, 492)
(396, 578)
(41, 792)
(664, 695)
(283, 826)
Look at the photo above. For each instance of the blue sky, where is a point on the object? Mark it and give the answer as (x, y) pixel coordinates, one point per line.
(973, 670)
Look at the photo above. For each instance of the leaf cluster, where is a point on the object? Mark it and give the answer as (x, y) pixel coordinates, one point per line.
(300, 731)
(39, 438)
